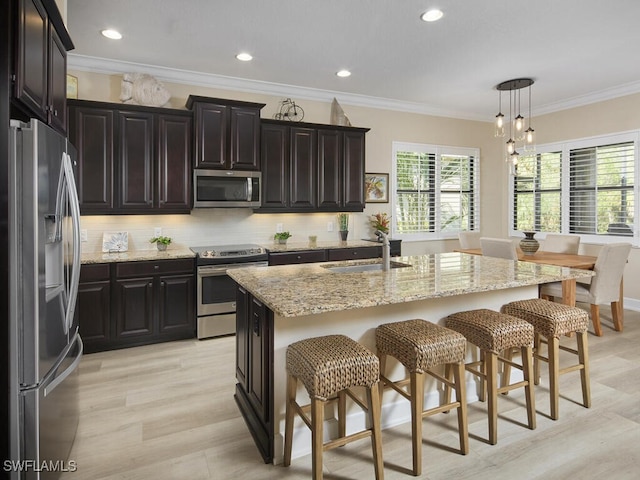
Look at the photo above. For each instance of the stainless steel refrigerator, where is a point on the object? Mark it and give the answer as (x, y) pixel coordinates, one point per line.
(45, 346)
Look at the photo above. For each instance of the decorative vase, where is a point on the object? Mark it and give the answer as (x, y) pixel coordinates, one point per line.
(528, 244)
(282, 241)
(161, 246)
(343, 235)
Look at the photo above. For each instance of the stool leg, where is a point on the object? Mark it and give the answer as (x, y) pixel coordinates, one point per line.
(461, 397)
(376, 435)
(292, 384)
(527, 371)
(382, 357)
(448, 376)
(482, 396)
(583, 358)
(491, 369)
(537, 343)
(342, 414)
(317, 419)
(417, 406)
(554, 374)
(506, 369)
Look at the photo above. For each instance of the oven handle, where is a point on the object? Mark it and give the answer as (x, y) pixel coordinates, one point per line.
(211, 270)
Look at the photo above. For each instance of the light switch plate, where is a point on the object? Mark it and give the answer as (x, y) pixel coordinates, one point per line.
(157, 232)
(329, 226)
(279, 228)
(83, 235)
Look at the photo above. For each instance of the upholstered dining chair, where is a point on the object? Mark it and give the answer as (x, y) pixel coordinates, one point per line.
(469, 239)
(561, 243)
(604, 286)
(498, 247)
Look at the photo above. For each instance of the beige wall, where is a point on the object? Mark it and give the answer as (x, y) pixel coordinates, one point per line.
(205, 226)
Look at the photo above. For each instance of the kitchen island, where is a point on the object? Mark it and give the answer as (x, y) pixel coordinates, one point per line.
(279, 305)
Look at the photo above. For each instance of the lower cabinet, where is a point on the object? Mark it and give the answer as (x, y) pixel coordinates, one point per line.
(254, 366)
(136, 303)
(332, 254)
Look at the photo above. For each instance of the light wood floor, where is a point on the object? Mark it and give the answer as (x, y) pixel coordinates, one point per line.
(167, 412)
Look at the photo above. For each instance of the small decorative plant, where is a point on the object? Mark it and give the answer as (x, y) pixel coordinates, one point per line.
(161, 242)
(380, 221)
(343, 222)
(281, 237)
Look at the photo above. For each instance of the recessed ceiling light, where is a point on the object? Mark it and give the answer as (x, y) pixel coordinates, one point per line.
(112, 34)
(343, 73)
(432, 15)
(245, 57)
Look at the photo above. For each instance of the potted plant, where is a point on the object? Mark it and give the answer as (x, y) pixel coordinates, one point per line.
(281, 237)
(161, 242)
(380, 222)
(343, 225)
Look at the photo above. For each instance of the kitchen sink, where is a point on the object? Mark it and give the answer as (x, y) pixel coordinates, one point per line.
(368, 267)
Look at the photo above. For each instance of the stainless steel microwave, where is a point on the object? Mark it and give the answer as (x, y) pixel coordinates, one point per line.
(226, 188)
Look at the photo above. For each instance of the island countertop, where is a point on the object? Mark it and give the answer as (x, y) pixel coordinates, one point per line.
(297, 290)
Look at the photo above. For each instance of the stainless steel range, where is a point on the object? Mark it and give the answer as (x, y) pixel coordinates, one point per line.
(216, 290)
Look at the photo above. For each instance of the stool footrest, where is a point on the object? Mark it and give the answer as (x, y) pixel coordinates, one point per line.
(513, 386)
(339, 442)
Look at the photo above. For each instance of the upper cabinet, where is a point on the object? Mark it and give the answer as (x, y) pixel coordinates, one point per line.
(131, 159)
(312, 168)
(227, 133)
(40, 63)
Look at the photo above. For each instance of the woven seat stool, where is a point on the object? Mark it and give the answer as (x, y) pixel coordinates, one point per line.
(550, 321)
(493, 333)
(329, 367)
(420, 346)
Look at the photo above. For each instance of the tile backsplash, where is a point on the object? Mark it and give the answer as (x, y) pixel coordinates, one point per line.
(219, 226)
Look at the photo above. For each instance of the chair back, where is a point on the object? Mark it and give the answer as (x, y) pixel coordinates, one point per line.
(469, 239)
(561, 243)
(498, 247)
(609, 268)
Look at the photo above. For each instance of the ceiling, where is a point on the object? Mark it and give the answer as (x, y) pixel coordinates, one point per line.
(577, 51)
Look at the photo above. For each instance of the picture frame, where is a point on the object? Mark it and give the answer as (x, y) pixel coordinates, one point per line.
(376, 188)
(72, 86)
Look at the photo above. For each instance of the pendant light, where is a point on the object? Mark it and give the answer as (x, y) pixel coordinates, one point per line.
(517, 132)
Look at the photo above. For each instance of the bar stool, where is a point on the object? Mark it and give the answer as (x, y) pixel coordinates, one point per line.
(493, 332)
(420, 346)
(551, 320)
(329, 367)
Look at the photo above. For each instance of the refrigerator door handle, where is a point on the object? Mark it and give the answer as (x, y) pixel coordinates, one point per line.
(61, 378)
(75, 220)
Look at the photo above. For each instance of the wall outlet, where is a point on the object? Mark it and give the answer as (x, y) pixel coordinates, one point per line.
(157, 232)
(279, 228)
(83, 235)
(329, 226)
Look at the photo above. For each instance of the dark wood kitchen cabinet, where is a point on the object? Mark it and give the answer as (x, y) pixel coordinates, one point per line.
(254, 366)
(312, 168)
(303, 256)
(136, 303)
(131, 160)
(227, 133)
(40, 64)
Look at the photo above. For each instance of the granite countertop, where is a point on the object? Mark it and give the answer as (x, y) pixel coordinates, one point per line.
(296, 290)
(298, 246)
(137, 255)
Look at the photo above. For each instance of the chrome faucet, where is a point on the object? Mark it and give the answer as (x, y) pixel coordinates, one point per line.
(386, 250)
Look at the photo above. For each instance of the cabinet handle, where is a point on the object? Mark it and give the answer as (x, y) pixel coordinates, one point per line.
(156, 267)
(299, 257)
(256, 325)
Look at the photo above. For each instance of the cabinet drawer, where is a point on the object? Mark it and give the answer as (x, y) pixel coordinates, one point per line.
(306, 256)
(136, 269)
(351, 253)
(94, 273)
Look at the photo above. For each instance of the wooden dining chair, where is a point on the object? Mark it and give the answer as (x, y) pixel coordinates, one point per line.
(604, 286)
(498, 247)
(561, 243)
(469, 240)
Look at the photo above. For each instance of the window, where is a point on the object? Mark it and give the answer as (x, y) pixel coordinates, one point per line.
(586, 187)
(435, 191)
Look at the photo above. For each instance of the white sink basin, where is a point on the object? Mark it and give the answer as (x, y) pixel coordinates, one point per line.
(368, 267)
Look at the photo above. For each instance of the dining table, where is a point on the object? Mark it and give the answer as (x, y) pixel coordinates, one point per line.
(586, 262)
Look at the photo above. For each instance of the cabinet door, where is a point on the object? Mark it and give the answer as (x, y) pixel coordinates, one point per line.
(259, 359)
(353, 171)
(31, 61)
(135, 161)
(176, 304)
(354, 253)
(91, 132)
(211, 123)
(329, 169)
(245, 139)
(307, 256)
(302, 169)
(94, 306)
(275, 165)
(242, 336)
(174, 163)
(133, 302)
(57, 82)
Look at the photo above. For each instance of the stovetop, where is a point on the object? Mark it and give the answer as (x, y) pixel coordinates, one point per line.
(230, 253)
